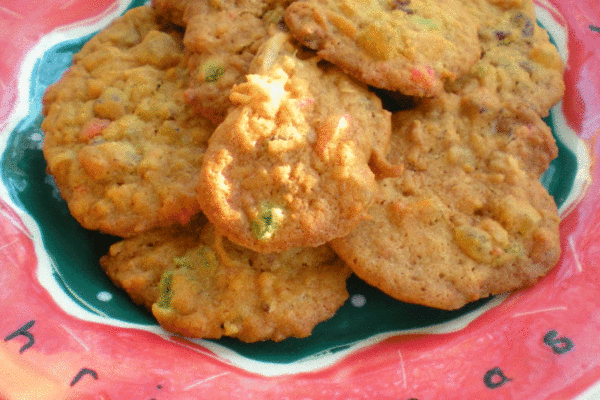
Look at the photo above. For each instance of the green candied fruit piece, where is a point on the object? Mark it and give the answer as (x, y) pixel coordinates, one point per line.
(516, 250)
(164, 290)
(480, 70)
(428, 23)
(201, 260)
(212, 71)
(268, 221)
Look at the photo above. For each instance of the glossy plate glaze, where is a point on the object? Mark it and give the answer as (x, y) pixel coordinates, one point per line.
(69, 333)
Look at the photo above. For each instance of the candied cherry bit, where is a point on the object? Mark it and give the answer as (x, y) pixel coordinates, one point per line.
(93, 128)
(306, 103)
(501, 35)
(403, 5)
(528, 29)
(423, 76)
(523, 22)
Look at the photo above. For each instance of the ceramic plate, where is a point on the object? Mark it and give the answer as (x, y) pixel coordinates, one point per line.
(67, 332)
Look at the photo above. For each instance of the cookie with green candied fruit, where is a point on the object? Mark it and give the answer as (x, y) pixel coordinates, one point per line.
(289, 166)
(469, 217)
(119, 139)
(519, 64)
(410, 46)
(199, 284)
(221, 39)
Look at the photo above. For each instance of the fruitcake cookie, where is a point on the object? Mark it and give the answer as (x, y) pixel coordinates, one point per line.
(199, 284)
(171, 10)
(468, 217)
(519, 63)
(411, 46)
(221, 40)
(119, 140)
(289, 165)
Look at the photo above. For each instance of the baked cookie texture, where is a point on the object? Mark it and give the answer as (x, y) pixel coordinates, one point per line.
(171, 10)
(221, 40)
(411, 46)
(519, 64)
(469, 217)
(289, 166)
(199, 284)
(120, 141)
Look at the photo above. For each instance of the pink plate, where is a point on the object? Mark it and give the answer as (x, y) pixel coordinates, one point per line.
(540, 343)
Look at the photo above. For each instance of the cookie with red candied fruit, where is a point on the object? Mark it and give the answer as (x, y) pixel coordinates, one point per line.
(119, 139)
(410, 46)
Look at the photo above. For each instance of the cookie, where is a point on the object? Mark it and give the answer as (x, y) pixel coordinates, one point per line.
(199, 284)
(172, 11)
(519, 63)
(221, 39)
(469, 217)
(411, 46)
(120, 141)
(289, 166)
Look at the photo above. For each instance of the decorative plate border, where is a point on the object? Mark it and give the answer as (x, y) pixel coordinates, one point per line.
(538, 344)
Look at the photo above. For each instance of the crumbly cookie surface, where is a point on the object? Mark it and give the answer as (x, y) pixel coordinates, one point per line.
(469, 217)
(411, 46)
(171, 10)
(289, 165)
(221, 40)
(199, 284)
(119, 140)
(519, 64)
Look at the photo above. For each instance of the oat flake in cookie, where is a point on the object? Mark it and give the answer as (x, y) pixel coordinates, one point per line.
(411, 46)
(199, 284)
(124, 149)
(469, 217)
(289, 166)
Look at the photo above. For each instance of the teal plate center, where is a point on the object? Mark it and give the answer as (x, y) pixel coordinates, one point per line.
(74, 252)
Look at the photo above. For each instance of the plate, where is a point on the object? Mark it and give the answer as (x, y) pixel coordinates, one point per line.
(69, 333)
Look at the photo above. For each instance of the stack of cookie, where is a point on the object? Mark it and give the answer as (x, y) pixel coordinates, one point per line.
(253, 154)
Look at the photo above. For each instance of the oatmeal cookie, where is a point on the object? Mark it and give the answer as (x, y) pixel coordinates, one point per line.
(171, 10)
(120, 141)
(468, 217)
(411, 46)
(519, 63)
(289, 165)
(221, 40)
(199, 284)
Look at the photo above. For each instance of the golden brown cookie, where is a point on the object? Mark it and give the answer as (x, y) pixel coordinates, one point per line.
(221, 40)
(171, 10)
(469, 217)
(289, 165)
(120, 141)
(411, 46)
(519, 64)
(199, 284)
